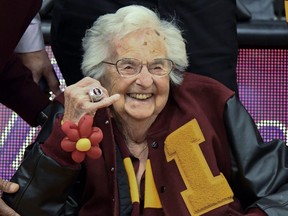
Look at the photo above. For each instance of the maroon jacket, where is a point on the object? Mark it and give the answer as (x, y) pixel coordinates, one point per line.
(191, 163)
(18, 91)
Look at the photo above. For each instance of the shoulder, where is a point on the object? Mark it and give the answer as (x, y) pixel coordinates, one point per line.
(199, 85)
(202, 92)
(201, 82)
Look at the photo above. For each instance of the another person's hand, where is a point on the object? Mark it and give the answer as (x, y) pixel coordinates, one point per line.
(8, 187)
(78, 103)
(39, 63)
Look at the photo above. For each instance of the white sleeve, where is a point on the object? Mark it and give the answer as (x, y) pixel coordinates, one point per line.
(32, 40)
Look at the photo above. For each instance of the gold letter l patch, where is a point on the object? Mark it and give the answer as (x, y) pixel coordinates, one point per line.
(204, 192)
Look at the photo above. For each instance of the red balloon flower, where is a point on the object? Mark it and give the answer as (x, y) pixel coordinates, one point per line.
(82, 140)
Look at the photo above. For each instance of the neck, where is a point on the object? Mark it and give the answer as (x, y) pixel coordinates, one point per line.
(139, 151)
(135, 131)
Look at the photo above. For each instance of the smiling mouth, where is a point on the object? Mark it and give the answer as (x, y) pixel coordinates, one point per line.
(140, 96)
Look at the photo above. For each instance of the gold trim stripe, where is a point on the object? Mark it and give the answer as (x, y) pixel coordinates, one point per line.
(134, 193)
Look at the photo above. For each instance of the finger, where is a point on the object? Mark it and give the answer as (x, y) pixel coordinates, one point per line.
(52, 80)
(6, 210)
(36, 77)
(107, 101)
(82, 87)
(8, 187)
(87, 82)
(92, 107)
(78, 93)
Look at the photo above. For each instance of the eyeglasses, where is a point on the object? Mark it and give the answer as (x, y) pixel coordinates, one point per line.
(129, 67)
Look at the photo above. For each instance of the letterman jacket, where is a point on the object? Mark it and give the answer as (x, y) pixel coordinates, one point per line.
(206, 155)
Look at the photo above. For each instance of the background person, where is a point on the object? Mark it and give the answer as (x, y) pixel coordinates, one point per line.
(18, 91)
(31, 51)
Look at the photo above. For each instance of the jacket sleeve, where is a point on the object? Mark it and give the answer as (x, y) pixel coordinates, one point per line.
(45, 184)
(18, 90)
(260, 173)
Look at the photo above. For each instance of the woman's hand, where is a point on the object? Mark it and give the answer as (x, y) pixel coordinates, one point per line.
(78, 103)
(8, 187)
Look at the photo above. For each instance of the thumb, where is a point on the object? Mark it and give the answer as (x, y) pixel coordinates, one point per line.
(8, 187)
(52, 80)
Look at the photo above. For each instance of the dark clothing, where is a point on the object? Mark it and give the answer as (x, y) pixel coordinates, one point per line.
(207, 158)
(209, 28)
(18, 91)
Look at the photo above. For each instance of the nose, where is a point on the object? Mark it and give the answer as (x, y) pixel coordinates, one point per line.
(144, 78)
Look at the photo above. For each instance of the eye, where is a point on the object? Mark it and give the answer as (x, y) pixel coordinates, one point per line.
(156, 68)
(127, 66)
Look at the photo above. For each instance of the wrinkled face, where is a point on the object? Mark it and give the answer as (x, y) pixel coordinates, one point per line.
(142, 96)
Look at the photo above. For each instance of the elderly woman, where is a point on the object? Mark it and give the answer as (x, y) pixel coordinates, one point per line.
(163, 142)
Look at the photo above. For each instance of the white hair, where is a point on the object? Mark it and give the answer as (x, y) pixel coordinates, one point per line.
(98, 40)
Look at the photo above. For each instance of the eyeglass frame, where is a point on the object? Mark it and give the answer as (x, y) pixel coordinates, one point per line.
(127, 76)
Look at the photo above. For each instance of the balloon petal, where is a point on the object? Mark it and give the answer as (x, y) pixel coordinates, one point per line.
(71, 131)
(94, 152)
(68, 145)
(85, 126)
(77, 156)
(96, 136)
(67, 125)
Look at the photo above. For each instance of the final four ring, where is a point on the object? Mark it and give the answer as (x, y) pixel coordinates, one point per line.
(95, 94)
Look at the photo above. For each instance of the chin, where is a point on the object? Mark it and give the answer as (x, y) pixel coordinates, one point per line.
(141, 115)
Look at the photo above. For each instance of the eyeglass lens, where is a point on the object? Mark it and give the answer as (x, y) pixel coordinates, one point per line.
(130, 67)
